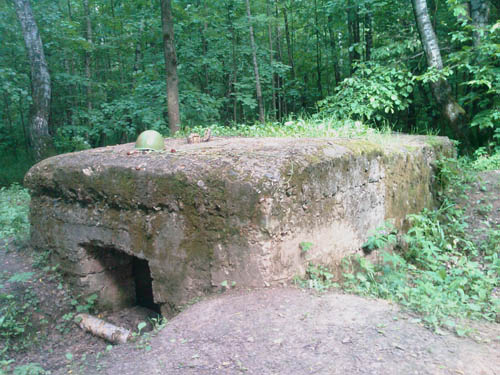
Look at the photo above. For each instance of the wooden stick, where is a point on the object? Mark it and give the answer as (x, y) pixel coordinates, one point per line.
(99, 327)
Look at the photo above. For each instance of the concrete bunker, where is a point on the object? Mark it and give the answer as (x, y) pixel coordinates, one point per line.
(121, 280)
(233, 211)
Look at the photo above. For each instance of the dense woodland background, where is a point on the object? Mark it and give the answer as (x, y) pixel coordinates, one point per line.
(365, 60)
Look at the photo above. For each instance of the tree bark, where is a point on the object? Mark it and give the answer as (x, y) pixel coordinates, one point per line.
(288, 43)
(271, 51)
(234, 78)
(452, 112)
(40, 138)
(353, 34)
(479, 12)
(318, 50)
(255, 66)
(333, 50)
(170, 66)
(88, 57)
(368, 35)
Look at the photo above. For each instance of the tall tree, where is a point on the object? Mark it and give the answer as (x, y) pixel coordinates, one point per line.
(255, 66)
(170, 66)
(40, 139)
(88, 36)
(479, 12)
(452, 112)
(271, 52)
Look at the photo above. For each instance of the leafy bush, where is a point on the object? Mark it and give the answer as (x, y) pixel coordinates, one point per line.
(372, 93)
(485, 161)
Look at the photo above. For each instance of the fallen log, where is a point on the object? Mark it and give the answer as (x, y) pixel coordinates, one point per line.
(107, 331)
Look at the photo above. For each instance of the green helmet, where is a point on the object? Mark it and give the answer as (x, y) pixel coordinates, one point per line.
(150, 140)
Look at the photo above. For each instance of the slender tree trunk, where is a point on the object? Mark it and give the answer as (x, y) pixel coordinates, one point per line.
(333, 50)
(234, 62)
(271, 51)
(138, 49)
(204, 45)
(452, 112)
(88, 57)
(170, 66)
(255, 66)
(40, 138)
(281, 95)
(288, 43)
(353, 34)
(318, 49)
(479, 12)
(368, 35)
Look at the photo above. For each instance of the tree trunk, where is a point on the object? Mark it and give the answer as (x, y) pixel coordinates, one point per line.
(279, 80)
(368, 35)
(353, 34)
(40, 138)
(170, 66)
(318, 50)
(479, 12)
(88, 36)
(273, 80)
(234, 79)
(452, 112)
(204, 45)
(255, 66)
(332, 35)
(288, 43)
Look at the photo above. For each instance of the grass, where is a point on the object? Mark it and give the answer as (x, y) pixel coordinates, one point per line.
(296, 128)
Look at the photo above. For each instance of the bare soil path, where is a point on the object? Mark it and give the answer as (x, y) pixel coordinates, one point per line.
(289, 331)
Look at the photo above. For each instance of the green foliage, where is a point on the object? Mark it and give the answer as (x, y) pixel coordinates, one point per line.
(484, 161)
(442, 274)
(371, 93)
(383, 237)
(14, 209)
(479, 65)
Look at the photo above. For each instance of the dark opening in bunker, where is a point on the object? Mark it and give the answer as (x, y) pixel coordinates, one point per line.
(122, 280)
(143, 284)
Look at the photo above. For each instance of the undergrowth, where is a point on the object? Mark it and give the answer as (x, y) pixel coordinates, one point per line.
(14, 208)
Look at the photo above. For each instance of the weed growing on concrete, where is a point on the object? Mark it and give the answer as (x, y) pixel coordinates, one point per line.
(317, 277)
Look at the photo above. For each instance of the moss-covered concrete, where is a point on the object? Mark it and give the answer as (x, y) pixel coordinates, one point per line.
(231, 210)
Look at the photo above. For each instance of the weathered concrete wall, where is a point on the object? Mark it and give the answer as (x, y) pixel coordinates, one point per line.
(233, 209)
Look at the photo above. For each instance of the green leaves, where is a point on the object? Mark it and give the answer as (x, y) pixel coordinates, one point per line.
(374, 92)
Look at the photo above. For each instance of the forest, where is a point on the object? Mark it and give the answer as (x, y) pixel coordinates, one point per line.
(77, 74)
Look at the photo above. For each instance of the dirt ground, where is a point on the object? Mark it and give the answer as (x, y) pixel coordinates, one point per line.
(269, 331)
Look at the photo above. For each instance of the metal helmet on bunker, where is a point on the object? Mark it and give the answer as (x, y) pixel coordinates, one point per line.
(150, 140)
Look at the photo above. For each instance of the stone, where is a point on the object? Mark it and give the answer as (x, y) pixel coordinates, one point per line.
(231, 211)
